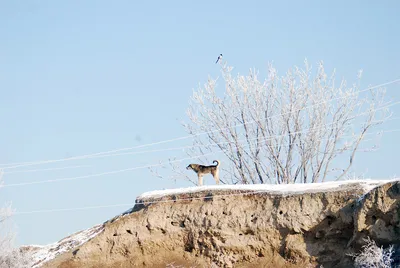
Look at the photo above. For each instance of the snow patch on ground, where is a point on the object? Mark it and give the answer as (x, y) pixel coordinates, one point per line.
(42, 254)
(298, 188)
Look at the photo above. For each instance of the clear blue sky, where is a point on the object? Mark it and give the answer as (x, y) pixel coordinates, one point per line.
(79, 77)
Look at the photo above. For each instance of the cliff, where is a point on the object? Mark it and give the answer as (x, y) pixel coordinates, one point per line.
(245, 226)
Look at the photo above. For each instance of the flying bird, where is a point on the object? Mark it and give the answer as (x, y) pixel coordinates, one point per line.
(219, 58)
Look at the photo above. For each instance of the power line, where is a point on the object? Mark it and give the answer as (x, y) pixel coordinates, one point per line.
(45, 169)
(140, 203)
(139, 167)
(103, 173)
(193, 146)
(169, 149)
(175, 149)
(23, 164)
(160, 164)
(205, 188)
(134, 168)
(180, 148)
(147, 202)
(69, 209)
(185, 147)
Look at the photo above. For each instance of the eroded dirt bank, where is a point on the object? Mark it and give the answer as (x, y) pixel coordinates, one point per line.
(242, 228)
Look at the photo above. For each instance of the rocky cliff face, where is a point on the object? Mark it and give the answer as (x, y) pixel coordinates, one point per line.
(218, 227)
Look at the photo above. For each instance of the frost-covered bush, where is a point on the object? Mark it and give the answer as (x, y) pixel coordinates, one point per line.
(372, 256)
(10, 257)
(14, 258)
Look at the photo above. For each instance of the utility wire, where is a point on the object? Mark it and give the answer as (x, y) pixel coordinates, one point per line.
(154, 165)
(136, 168)
(23, 164)
(242, 192)
(180, 148)
(249, 192)
(103, 173)
(45, 169)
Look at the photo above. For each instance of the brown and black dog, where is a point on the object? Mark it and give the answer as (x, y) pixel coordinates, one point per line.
(203, 170)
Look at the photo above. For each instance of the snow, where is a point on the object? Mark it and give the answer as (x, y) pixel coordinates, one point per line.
(42, 254)
(298, 188)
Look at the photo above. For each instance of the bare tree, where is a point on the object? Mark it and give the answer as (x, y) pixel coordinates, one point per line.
(5, 213)
(10, 257)
(284, 129)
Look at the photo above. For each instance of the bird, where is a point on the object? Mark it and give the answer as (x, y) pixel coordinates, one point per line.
(219, 58)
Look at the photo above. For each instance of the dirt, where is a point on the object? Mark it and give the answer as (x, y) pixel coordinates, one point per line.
(249, 230)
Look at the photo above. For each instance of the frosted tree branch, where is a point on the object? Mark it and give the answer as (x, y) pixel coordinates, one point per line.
(283, 129)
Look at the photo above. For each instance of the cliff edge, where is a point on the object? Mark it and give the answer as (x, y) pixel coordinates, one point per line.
(245, 226)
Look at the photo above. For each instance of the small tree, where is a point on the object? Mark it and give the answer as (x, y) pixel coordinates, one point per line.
(284, 129)
(10, 257)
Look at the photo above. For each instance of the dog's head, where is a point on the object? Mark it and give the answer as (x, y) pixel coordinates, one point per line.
(189, 167)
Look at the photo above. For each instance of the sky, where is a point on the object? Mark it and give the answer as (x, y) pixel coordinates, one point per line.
(82, 77)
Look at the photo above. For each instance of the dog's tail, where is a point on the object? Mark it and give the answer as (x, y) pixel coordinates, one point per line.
(218, 163)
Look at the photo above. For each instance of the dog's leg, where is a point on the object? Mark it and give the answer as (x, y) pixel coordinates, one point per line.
(216, 176)
(200, 180)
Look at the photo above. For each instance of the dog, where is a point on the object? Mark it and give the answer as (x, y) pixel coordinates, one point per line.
(203, 170)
